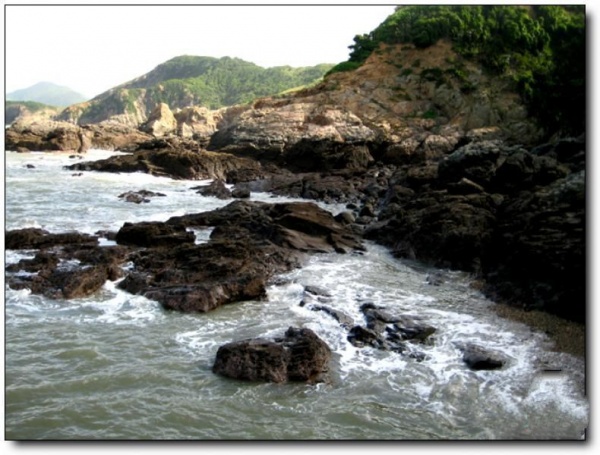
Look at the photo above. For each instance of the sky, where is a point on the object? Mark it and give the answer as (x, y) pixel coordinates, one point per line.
(91, 49)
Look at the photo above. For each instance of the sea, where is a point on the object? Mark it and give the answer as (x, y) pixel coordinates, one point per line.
(115, 366)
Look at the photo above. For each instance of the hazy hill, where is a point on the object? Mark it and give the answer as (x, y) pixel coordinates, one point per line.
(191, 80)
(47, 93)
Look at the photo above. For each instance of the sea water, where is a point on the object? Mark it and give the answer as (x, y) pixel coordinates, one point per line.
(119, 367)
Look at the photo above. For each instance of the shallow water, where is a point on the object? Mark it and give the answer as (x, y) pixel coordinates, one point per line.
(117, 366)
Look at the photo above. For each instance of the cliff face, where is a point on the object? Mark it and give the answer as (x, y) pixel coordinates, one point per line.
(402, 103)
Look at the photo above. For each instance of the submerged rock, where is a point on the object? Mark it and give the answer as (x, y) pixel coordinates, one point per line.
(299, 356)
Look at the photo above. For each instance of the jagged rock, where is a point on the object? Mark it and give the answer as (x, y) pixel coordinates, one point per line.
(442, 229)
(537, 256)
(161, 121)
(42, 135)
(171, 161)
(341, 317)
(66, 270)
(299, 356)
(197, 122)
(250, 243)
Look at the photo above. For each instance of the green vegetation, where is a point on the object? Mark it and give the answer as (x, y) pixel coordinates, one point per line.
(32, 106)
(215, 83)
(541, 48)
(344, 66)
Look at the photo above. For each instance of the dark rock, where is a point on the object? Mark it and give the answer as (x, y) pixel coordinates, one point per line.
(34, 238)
(153, 234)
(30, 166)
(367, 211)
(479, 358)
(178, 160)
(250, 243)
(441, 229)
(341, 317)
(360, 336)
(477, 161)
(140, 196)
(216, 189)
(240, 193)
(299, 356)
(410, 330)
(537, 256)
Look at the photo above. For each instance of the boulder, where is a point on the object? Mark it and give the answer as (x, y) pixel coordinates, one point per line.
(299, 356)
(479, 358)
(216, 189)
(161, 122)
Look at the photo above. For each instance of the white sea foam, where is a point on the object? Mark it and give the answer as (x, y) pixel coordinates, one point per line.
(441, 385)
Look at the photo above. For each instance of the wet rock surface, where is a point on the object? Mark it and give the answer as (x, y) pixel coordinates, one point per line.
(138, 197)
(391, 332)
(65, 266)
(250, 243)
(300, 355)
(173, 157)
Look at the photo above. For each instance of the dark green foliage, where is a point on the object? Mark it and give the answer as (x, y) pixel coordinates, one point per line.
(541, 48)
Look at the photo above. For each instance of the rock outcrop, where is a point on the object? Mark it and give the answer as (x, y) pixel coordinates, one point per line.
(403, 105)
(175, 158)
(161, 122)
(65, 266)
(250, 243)
(300, 355)
(46, 135)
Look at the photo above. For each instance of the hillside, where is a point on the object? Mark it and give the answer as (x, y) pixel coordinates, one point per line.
(190, 80)
(14, 110)
(47, 93)
(539, 49)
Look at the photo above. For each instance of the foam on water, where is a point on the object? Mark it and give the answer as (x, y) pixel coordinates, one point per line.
(392, 395)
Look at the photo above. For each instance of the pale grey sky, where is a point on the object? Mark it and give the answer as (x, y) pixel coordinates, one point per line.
(93, 48)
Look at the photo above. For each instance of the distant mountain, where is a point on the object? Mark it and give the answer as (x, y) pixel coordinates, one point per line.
(191, 80)
(47, 93)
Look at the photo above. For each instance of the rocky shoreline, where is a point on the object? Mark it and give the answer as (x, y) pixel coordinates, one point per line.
(472, 187)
